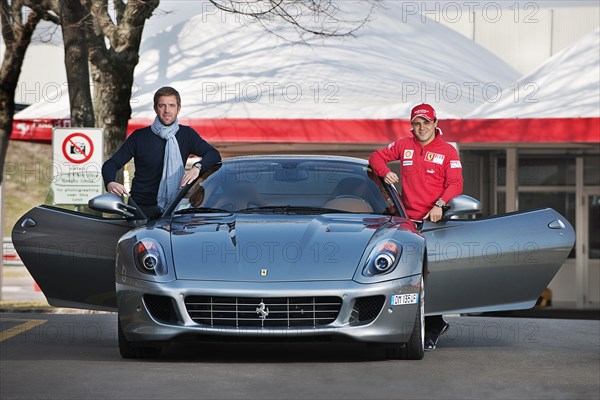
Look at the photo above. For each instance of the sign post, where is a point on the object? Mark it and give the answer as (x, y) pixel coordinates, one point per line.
(77, 155)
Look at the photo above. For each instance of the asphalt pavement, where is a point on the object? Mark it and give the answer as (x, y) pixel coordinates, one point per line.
(75, 356)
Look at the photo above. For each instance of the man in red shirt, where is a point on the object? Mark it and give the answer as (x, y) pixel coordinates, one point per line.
(430, 167)
(431, 176)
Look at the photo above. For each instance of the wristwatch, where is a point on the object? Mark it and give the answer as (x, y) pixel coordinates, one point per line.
(198, 165)
(440, 203)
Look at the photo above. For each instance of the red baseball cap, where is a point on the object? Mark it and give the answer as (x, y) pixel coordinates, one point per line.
(424, 111)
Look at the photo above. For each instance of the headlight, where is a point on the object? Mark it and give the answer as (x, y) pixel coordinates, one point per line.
(383, 258)
(149, 257)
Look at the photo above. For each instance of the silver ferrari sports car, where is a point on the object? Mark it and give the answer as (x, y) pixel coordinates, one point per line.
(288, 248)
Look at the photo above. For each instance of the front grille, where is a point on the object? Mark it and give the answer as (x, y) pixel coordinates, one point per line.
(366, 309)
(277, 312)
(162, 308)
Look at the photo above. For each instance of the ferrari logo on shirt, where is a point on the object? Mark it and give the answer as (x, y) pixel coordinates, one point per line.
(408, 154)
(435, 157)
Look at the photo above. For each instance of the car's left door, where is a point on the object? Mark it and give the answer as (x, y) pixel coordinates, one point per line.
(71, 255)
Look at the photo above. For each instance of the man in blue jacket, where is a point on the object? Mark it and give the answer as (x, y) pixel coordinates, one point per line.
(160, 152)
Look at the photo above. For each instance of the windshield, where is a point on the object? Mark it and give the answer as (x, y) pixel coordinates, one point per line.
(289, 185)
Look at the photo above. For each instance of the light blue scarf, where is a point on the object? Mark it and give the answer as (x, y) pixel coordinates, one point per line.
(173, 164)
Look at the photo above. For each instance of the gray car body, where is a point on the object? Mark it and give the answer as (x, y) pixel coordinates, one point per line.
(469, 265)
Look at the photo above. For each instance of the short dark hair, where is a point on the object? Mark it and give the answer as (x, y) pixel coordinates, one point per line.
(167, 91)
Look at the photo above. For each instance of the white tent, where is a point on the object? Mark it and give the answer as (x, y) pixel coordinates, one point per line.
(565, 86)
(228, 67)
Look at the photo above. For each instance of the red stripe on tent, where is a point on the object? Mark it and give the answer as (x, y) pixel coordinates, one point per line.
(293, 130)
(551, 130)
(36, 130)
(526, 130)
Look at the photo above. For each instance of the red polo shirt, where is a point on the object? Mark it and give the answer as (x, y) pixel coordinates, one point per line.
(428, 173)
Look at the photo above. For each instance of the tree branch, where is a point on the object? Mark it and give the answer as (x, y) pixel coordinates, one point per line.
(130, 20)
(48, 9)
(7, 27)
(315, 17)
(119, 9)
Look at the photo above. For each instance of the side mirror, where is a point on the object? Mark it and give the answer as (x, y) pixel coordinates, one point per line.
(462, 205)
(113, 204)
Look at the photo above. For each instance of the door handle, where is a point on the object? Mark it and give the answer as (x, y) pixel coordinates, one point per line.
(556, 224)
(28, 223)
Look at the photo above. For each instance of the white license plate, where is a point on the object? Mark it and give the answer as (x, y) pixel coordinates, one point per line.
(402, 299)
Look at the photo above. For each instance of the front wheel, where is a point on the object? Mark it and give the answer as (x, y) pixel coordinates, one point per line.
(416, 343)
(414, 348)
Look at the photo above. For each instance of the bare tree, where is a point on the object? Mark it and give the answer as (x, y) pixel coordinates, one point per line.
(19, 19)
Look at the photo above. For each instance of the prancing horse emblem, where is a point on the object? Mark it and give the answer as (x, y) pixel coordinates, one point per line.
(262, 311)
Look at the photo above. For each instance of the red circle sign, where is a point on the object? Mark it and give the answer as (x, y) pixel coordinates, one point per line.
(78, 148)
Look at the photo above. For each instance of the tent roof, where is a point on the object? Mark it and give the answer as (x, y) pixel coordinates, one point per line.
(227, 67)
(566, 86)
(240, 83)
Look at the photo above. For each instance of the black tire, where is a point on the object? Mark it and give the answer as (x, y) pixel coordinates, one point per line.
(415, 345)
(127, 350)
(414, 348)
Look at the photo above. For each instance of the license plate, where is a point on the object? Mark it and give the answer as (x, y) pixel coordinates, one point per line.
(402, 299)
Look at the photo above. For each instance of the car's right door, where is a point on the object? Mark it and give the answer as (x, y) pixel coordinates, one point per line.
(495, 263)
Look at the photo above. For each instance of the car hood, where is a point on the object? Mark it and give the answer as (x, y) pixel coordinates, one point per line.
(263, 248)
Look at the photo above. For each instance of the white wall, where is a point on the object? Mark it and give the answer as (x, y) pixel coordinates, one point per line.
(522, 33)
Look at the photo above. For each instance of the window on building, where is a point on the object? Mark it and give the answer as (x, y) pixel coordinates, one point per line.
(591, 171)
(546, 171)
(593, 228)
(541, 171)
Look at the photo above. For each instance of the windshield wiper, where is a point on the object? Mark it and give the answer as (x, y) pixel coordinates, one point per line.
(200, 210)
(292, 210)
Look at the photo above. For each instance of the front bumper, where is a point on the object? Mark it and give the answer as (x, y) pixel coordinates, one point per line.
(391, 324)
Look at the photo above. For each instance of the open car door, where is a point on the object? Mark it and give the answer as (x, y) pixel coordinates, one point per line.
(71, 255)
(495, 263)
